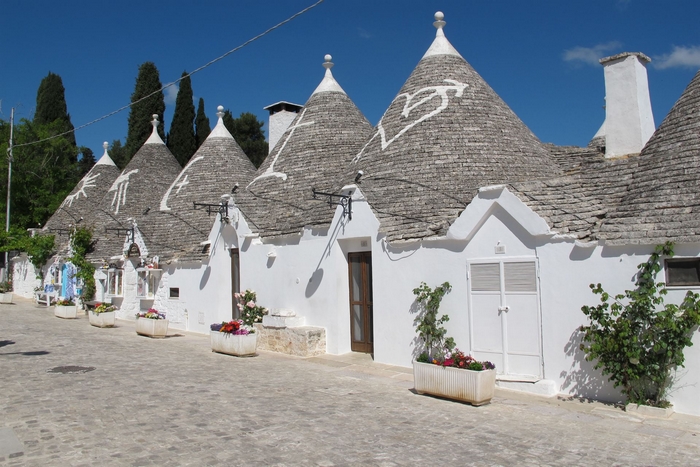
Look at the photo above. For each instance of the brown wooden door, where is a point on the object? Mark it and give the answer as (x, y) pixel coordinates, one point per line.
(361, 330)
(235, 282)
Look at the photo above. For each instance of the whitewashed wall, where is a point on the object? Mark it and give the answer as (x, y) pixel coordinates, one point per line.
(309, 274)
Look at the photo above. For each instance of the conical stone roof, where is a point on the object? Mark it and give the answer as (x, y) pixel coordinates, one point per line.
(663, 195)
(312, 153)
(217, 166)
(79, 207)
(134, 194)
(446, 134)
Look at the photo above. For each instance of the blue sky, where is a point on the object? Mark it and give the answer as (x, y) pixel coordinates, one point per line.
(539, 56)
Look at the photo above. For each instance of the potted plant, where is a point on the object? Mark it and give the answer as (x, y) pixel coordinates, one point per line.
(6, 292)
(103, 316)
(233, 338)
(65, 308)
(250, 311)
(151, 323)
(441, 369)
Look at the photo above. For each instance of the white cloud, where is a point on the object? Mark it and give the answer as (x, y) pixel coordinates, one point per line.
(680, 57)
(364, 34)
(170, 94)
(590, 55)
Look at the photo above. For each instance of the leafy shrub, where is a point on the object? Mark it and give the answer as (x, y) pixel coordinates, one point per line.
(637, 339)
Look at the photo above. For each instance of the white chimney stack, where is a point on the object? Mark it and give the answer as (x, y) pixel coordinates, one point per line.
(282, 114)
(629, 122)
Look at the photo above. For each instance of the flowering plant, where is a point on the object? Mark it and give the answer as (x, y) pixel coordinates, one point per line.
(65, 302)
(457, 359)
(152, 313)
(235, 327)
(104, 308)
(251, 312)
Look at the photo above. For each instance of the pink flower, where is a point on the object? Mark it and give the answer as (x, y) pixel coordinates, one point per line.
(250, 304)
(237, 295)
(240, 307)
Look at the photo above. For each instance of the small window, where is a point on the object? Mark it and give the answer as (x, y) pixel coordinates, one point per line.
(683, 272)
(174, 292)
(115, 282)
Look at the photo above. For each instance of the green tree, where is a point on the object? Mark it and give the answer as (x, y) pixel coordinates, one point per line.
(181, 139)
(42, 174)
(118, 154)
(248, 133)
(51, 106)
(201, 124)
(85, 161)
(141, 113)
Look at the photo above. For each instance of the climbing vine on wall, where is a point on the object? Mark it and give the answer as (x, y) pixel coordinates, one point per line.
(636, 338)
(82, 244)
(429, 327)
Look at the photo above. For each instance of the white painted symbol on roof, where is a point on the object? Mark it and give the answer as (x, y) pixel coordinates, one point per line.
(180, 186)
(119, 187)
(408, 107)
(270, 172)
(88, 181)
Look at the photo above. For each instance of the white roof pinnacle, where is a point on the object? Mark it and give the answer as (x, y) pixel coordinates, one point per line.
(155, 137)
(105, 159)
(328, 84)
(220, 130)
(440, 46)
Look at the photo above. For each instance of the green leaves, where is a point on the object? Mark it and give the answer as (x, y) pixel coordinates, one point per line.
(429, 327)
(82, 244)
(638, 340)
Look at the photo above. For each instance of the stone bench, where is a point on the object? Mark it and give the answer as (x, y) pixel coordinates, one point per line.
(302, 341)
(45, 298)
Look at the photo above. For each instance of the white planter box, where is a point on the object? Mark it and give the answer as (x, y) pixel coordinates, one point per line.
(152, 327)
(649, 411)
(233, 344)
(475, 387)
(102, 320)
(6, 297)
(67, 312)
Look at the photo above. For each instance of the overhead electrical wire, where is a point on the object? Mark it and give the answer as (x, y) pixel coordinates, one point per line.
(246, 43)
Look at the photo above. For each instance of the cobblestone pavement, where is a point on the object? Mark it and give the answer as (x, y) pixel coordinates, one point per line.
(174, 402)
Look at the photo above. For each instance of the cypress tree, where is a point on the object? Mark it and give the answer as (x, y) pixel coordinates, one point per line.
(118, 154)
(51, 105)
(201, 124)
(86, 161)
(181, 139)
(248, 133)
(140, 115)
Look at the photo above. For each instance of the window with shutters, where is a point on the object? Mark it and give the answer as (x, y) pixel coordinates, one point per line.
(520, 277)
(486, 277)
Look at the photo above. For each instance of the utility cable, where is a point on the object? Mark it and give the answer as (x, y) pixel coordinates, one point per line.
(246, 43)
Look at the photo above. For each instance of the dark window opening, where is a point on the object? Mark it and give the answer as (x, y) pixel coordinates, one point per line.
(683, 271)
(174, 292)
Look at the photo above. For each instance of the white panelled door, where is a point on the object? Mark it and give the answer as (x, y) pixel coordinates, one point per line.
(504, 316)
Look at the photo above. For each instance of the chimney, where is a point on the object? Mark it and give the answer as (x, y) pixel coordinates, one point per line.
(282, 114)
(629, 122)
